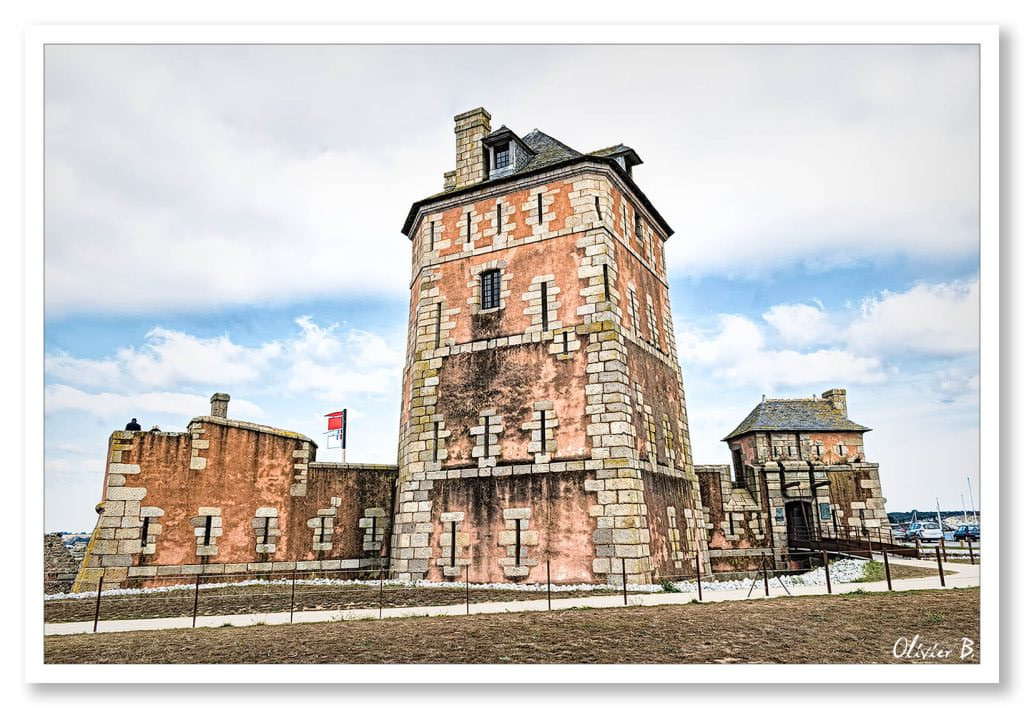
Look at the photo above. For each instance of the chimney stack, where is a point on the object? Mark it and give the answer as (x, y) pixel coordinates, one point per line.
(837, 397)
(219, 405)
(471, 128)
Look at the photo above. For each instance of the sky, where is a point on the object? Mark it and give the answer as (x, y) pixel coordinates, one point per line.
(227, 218)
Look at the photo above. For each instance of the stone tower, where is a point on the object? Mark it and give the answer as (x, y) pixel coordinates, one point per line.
(543, 415)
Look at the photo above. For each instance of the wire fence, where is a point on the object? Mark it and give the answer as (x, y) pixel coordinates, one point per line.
(277, 592)
(215, 594)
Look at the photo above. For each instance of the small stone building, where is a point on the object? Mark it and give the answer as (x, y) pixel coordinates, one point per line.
(799, 473)
(228, 496)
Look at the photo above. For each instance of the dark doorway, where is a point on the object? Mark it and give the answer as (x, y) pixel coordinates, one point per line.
(799, 528)
(800, 532)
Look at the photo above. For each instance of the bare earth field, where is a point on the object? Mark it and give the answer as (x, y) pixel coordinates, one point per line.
(855, 628)
(244, 599)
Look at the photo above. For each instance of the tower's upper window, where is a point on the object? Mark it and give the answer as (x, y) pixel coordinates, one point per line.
(501, 156)
(490, 289)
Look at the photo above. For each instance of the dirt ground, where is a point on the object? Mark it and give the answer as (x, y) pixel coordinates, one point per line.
(855, 628)
(245, 599)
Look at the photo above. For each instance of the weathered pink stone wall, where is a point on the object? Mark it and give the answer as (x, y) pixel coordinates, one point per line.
(510, 380)
(661, 492)
(756, 447)
(356, 490)
(558, 504)
(661, 392)
(245, 470)
(632, 272)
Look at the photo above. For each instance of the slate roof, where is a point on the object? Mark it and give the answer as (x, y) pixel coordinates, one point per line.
(549, 153)
(611, 150)
(795, 414)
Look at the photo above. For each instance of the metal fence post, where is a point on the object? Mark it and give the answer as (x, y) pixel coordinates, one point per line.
(467, 589)
(764, 569)
(888, 575)
(96, 616)
(828, 578)
(970, 550)
(625, 596)
(700, 595)
(195, 601)
(942, 545)
(942, 576)
(381, 614)
(291, 606)
(549, 583)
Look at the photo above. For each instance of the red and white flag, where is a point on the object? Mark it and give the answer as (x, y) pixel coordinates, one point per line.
(337, 424)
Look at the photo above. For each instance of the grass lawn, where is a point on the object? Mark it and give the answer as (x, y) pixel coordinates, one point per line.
(856, 628)
(874, 571)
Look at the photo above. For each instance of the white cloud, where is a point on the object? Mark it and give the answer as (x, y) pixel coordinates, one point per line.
(799, 324)
(737, 355)
(167, 358)
(928, 333)
(823, 158)
(929, 319)
(335, 368)
(87, 372)
(114, 406)
(956, 384)
(175, 189)
(184, 178)
(327, 362)
(736, 339)
(63, 468)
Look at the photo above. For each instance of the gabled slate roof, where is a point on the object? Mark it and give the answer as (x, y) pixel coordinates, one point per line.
(795, 415)
(548, 151)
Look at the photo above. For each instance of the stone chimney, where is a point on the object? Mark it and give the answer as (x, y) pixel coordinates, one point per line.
(471, 128)
(219, 405)
(837, 397)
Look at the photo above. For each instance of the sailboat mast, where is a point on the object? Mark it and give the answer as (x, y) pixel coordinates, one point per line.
(971, 492)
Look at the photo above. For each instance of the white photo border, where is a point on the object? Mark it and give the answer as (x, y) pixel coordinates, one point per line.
(986, 37)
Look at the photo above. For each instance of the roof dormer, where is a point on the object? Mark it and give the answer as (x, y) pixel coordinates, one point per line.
(506, 153)
(624, 155)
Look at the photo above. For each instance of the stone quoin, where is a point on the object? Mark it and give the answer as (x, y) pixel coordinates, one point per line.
(543, 416)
